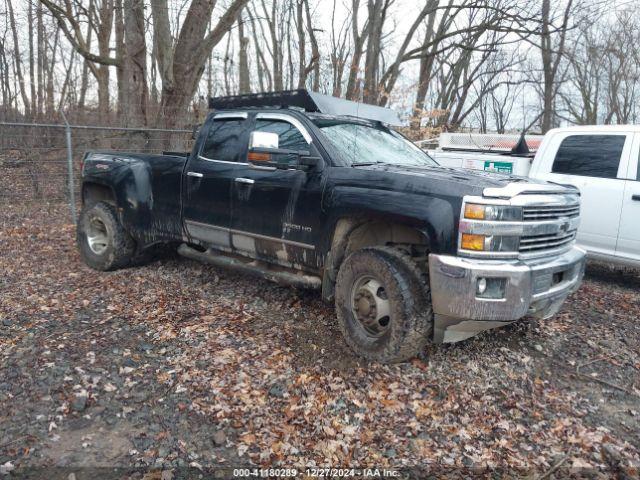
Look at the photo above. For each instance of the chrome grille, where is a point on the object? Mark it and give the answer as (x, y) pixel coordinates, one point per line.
(535, 243)
(539, 213)
(546, 225)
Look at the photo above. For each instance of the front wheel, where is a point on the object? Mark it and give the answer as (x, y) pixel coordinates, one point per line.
(104, 244)
(383, 304)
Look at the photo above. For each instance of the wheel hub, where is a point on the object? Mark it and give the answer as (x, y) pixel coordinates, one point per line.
(370, 305)
(97, 237)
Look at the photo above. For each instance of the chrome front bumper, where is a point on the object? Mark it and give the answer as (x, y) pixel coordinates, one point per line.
(534, 287)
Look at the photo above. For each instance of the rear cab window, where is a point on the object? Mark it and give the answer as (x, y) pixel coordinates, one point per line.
(590, 155)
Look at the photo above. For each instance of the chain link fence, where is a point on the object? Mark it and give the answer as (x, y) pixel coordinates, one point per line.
(40, 163)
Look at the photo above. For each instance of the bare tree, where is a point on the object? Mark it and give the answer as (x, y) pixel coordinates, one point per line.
(227, 66)
(85, 65)
(99, 15)
(181, 62)
(262, 67)
(304, 25)
(428, 49)
(377, 13)
(551, 52)
(467, 28)
(587, 70)
(8, 96)
(18, 60)
(449, 61)
(359, 38)
(134, 64)
(339, 51)
(622, 71)
(40, 58)
(244, 82)
(390, 77)
(274, 44)
(502, 101)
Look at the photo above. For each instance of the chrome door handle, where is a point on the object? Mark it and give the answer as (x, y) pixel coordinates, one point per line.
(194, 174)
(246, 181)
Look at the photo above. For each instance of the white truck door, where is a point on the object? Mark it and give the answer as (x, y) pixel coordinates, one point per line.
(596, 163)
(629, 233)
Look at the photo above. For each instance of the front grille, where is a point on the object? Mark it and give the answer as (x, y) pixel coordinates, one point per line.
(536, 243)
(549, 212)
(548, 226)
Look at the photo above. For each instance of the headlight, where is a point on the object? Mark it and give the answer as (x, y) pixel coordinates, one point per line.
(505, 213)
(489, 243)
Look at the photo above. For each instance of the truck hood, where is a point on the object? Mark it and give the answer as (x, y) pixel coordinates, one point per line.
(474, 182)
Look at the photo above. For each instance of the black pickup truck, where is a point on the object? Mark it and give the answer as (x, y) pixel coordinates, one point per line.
(318, 192)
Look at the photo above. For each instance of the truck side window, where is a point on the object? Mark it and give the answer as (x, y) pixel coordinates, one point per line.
(289, 138)
(589, 155)
(225, 140)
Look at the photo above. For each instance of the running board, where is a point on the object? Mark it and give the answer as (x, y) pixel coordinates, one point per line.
(275, 274)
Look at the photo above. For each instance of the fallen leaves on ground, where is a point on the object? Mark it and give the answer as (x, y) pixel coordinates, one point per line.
(175, 363)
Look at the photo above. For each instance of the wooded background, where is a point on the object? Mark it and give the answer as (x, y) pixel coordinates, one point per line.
(487, 65)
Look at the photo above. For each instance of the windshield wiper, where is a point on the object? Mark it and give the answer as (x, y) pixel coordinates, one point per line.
(365, 164)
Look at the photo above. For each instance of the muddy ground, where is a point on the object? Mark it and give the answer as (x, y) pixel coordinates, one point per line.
(176, 367)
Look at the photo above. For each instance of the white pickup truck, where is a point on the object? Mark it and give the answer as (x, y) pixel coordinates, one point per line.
(602, 161)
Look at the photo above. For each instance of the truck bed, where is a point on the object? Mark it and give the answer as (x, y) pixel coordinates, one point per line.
(148, 187)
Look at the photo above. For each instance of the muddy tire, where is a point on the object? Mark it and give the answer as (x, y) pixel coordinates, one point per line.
(383, 304)
(103, 242)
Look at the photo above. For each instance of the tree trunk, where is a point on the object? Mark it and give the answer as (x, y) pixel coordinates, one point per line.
(120, 55)
(18, 66)
(353, 86)
(430, 47)
(424, 75)
(264, 77)
(244, 85)
(551, 57)
(67, 81)
(302, 62)
(135, 64)
(376, 9)
(70, 18)
(315, 50)
(290, 62)
(41, 60)
(388, 81)
(226, 67)
(276, 46)
(547, 62)
(337, 65)
(3, 82)
(193, 47)
(32, 65)
(84, 82)
(7, 100)
(49, 103)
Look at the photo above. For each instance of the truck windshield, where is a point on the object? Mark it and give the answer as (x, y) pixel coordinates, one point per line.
(361, 144)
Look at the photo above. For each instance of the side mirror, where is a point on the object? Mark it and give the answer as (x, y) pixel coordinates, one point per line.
(264, 147)
(263, 140)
